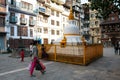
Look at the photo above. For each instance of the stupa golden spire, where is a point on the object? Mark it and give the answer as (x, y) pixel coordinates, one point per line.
(71, 16)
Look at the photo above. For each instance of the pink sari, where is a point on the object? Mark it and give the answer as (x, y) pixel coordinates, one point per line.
(33, 64)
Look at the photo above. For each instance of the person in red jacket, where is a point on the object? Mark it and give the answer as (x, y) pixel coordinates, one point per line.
(22, 53)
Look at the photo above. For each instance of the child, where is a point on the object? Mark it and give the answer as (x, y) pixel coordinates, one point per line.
(22, 55)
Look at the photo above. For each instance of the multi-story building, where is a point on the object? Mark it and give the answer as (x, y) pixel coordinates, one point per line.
(86, 27)
(95, 29)
(110, 29)
(3, 31)
(42, 29)
(20, 22)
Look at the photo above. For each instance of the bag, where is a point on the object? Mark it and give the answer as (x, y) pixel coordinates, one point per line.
(42, 65)
(38, 66)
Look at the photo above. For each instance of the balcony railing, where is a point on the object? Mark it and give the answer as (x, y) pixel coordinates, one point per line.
(31, 22)
(42, 9)
(23, 21)
(13, 19)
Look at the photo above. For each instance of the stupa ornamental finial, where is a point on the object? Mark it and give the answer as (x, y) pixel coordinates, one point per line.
(71, 16)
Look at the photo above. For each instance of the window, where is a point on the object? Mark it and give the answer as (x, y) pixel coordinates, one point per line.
(112, 18)
(45, 30)
(96, 23)
(31, 33)
(57, 14)
(92, 23)
(58, 32)
(26, 5)
(45, 19)
(40, 18)
(52, 32)
(12, 31)
(2, 21)
(39, 30)
(52, 12)
(52, 22)
(22, 31)
(92, 15)
(57, 22)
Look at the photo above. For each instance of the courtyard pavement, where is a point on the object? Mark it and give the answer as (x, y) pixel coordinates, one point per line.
(105, 68)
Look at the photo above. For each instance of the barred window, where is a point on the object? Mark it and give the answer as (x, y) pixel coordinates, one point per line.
(12, 31)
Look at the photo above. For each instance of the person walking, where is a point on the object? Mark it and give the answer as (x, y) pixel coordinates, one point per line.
(22, 53)
(116, 47)
(35, 61)
(34, 58)
(44, 54)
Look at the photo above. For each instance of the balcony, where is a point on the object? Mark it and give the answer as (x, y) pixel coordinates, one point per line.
(23, 21)
(32, 22)
(41, 10)
(47, 13)
(47, 3)
(13, 19)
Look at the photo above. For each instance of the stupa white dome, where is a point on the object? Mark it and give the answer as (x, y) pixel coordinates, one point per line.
(71, 29)
(71, 34)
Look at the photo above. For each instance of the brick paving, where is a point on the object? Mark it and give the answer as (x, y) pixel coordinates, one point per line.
(105, 68)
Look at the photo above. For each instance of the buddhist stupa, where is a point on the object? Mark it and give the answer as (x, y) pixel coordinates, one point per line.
(71, 34)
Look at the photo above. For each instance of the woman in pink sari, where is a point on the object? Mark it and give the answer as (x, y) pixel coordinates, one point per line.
(35, 57)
